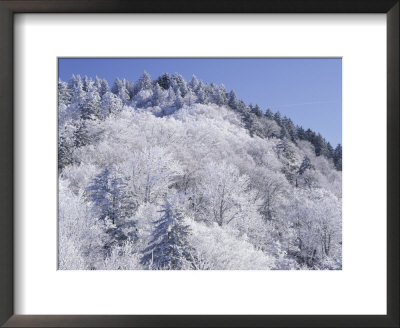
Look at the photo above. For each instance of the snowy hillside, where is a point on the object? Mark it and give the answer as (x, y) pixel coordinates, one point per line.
(169, 174)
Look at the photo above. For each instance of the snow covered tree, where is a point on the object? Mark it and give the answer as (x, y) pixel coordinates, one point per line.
(301, 133)
(190, 98)
(305, 165)
(110, 104)
(178, 99)
(268, 114)
(233, 101)
(169, 248)
(269, 128)
(110, 193)
(272, 187)
(130, 87)
(74, 81)
(310, 136)
(201, 94)
(144, 83)
(179, 83)
(86, 83)
(252, 124)
(158, 95)
(78, 95)
(120, 89)
(112, 199)
(153, 172)
(257, 111)
(278, 118)
(101, 86)
(194, 83)
(330, 150)
(64, 94)
(104, 87)
(315, 221)
(97, 84)
(223, 193)
(90, 108)
(286, 152)
(320, 145)
(304, 168)
(289, 128)
(116, 86)
(219, 95)
(241, 107)
(337, 157)
(171, 97)
(81, 134)
(80, 234)
(65, 148)
(143, 92)
(164, 81)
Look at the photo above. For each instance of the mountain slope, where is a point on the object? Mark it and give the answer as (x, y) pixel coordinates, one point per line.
(254, 191)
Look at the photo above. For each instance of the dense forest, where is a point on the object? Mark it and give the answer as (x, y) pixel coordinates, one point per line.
(167, 174)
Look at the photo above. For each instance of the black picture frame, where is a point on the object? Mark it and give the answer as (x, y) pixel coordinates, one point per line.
(10, 7)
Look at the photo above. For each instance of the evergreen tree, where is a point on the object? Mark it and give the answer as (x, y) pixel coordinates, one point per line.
(214, 93)
(320, 145)
(64, 94)
(220, 96)
(120, 89)
(116, 86)
(286, 152)
(194, 83)
(130, 87)
(179, 83)
(86, 83)
(233, 101)
(300, 133)
(284, 133)
(97, 84)
(90, 109)
(290, 128)
(201, 94)
(169, 248)
(190, 97)
(305, 165)
(144, 83)
(158, 95)
(112, 198)
(103, 87)
(73, 82)
(330, 150)
(241, 106)
(284, 122)
(81, 135)
(78, 95)
(310, 136)
(110, 103)
(65, 151)
(171, 96)
(165, 81)
(178, 100)
(257, 111)
(248, 119)
(277, 118)
(301, 173)
(269, 115)
(337, 157)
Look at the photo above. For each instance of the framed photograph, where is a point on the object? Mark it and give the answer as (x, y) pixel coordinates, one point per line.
(218, 164)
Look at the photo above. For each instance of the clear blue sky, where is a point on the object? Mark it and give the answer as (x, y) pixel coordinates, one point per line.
(309, 91)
